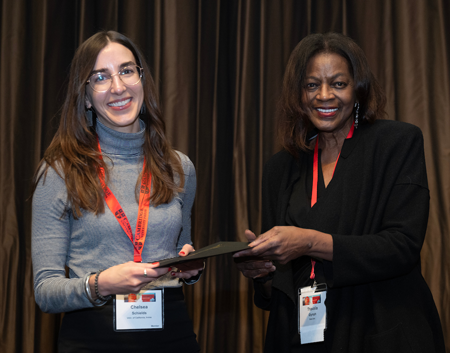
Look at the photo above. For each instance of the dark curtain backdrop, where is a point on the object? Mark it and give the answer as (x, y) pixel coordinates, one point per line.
(218, 65)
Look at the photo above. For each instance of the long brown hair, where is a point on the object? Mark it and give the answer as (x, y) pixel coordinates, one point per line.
(293, 122)
(73, 151)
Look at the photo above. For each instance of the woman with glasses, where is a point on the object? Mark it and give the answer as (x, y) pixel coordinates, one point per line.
(111, 198)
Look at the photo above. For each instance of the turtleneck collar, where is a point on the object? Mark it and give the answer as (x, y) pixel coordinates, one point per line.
(121, 143)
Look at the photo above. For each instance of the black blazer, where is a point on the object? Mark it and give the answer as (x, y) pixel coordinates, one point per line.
(376, 209)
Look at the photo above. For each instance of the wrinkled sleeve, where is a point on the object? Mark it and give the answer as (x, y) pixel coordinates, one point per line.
(54, 293)
(188, 196)
(190, 185)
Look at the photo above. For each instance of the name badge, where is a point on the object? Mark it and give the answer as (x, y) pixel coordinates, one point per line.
(312, 313)
(141, 311)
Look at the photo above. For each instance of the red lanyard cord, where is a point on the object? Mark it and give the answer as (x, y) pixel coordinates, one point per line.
(316, 179)
(144, 205)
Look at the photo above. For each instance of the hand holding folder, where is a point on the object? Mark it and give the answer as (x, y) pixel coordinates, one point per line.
(220, 248)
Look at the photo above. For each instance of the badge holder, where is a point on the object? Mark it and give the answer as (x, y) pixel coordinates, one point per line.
(312, 313)
(143, 311)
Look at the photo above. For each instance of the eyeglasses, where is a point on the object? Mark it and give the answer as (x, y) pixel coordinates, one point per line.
(129, 75)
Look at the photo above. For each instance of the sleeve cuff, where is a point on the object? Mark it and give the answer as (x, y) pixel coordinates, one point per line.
(87, 291)
(194, 279)
(264, 279)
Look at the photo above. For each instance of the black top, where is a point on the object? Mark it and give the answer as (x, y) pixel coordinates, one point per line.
(298, 209)
(376, 210)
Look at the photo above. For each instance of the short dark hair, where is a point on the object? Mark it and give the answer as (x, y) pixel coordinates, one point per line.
(293, 122)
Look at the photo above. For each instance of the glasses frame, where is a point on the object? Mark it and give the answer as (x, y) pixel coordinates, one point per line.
(141, 72)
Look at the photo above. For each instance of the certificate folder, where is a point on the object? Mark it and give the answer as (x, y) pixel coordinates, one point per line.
(220, 248)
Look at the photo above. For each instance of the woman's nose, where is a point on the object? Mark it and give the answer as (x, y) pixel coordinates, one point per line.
(117, 86)
(324, 93)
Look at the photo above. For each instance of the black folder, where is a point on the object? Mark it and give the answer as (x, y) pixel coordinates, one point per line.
(220, 248)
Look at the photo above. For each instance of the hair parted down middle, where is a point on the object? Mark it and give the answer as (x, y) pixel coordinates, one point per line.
(293, 122)
(73, 152)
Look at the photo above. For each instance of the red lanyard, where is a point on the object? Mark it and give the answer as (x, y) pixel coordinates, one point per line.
(116, 209)
(316, 179)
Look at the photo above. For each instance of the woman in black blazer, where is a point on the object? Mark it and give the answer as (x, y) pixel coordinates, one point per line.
(345, 210)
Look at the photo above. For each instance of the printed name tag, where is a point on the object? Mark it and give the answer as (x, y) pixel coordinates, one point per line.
(312, 313)
(142, 311)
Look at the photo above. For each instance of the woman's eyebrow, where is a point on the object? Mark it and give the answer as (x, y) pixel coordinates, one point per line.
(98, 70)
(338, 75)
(128, 63)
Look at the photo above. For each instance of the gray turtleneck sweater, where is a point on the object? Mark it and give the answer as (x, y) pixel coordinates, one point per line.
(98, 242)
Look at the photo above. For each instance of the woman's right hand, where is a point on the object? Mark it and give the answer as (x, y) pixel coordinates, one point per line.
(252, 267)
(126, 278)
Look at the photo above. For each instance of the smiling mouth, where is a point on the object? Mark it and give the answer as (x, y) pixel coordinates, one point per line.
(322, 110)
(120, 103)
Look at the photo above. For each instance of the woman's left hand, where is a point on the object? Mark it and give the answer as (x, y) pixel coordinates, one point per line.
(188, 269)
(286, 243)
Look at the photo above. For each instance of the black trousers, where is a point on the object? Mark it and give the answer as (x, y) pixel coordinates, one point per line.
(91, 330)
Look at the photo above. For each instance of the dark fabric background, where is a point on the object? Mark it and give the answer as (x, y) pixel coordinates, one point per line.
(218, 65)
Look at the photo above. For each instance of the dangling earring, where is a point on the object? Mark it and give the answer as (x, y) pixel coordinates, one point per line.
(356, 114)
(89, 117)
(143, 109)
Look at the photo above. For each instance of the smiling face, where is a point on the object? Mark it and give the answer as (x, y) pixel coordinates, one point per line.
(328, 92)
(118, 108)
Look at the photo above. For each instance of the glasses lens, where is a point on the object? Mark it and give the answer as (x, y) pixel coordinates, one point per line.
(130, 75)
(100, 81)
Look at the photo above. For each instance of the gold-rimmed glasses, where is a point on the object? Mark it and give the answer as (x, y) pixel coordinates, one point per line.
(130, 75)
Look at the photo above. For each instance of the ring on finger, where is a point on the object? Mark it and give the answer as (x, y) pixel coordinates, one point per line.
(145, 272)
